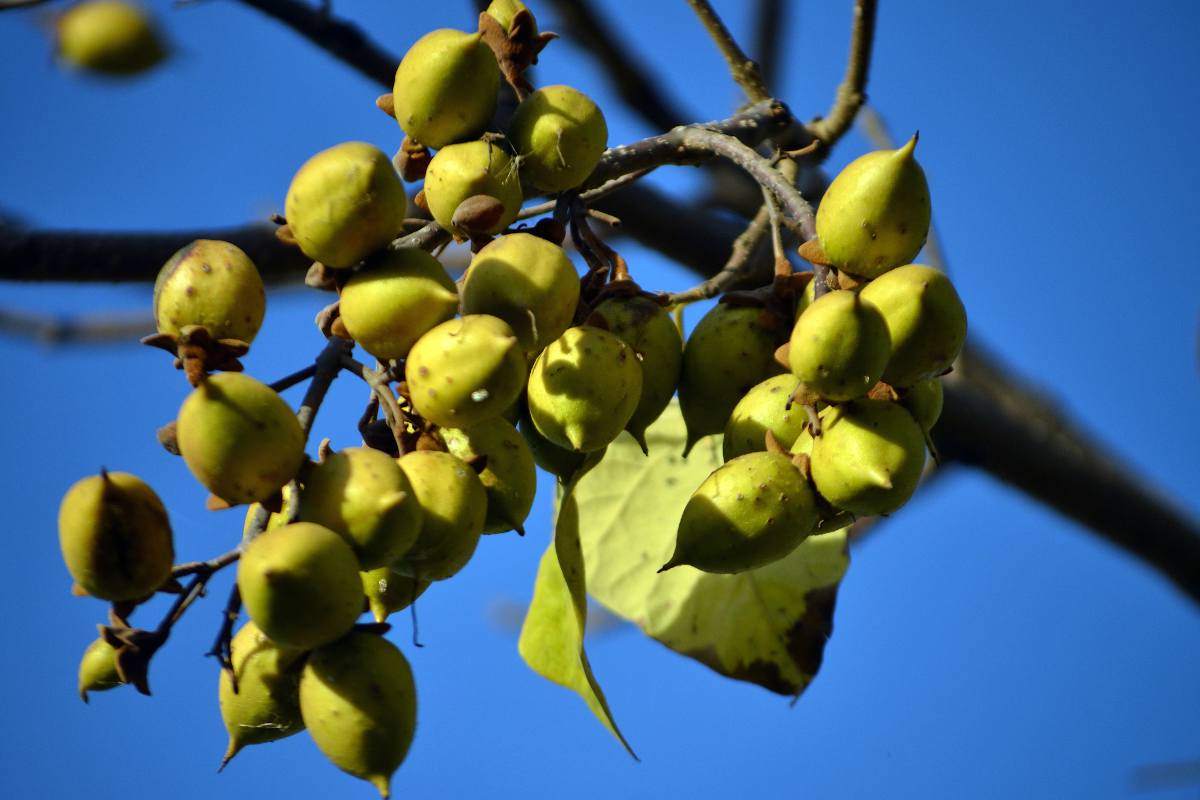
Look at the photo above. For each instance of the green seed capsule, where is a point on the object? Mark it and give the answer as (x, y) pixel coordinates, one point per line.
(300, 585)
(459, 171)
(764, 408)
(98, 669)
(839, 347)
(509, 476)
(925, 318)
(526, 281)
(646, 326)
(731, 350)
(345, 203)
(266, 705)
(396, 300)
(115, 537)
(363, 496)
(749, 512)
(210, 283)
(560, 135)
(360, 706)
(583, 388)
(445, 88)
(875, 214)
(108, 37)
(868, 458)
(465, 371)
(454, 504)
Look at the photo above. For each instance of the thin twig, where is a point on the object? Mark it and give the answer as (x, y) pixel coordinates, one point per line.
(588, 196)
(210, 566)
(300, 375)
(327, 366)
(379, 384)
(8, 5)
(744, 70)
(735, 268)
(797, 213)
(852, 92)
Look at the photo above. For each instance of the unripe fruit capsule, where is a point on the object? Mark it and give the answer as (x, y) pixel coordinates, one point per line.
(210, 283)
(266, 705)
(390, 304)
(300, 585)
(98, 669)
(115, 536)
(445, 88)
(363, 496)
(875, 214)
(239, 438)
(465, 371)
(925, 318)
(526, 281)
(560, 134)
(764, 408)
(730, 351)
(360, 706)
(108, 37)
(454, 503)
(460, 171)
(749, 512)
(345, 203)
(583, 388)
(839, 346)
(646, 326)
(509, 476)
(869, 456)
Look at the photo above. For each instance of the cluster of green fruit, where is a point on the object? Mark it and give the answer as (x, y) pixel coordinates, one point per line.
(517, 365)
(834, 424)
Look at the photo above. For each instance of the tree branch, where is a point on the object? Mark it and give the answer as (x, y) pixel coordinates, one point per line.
(852, 92)
(995, 422)
(745, 72)
(770, 25)
(634, 83)
(342, 40)
(131, 256)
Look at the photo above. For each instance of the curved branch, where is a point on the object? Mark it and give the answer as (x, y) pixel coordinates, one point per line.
(745, 71)
(993, 421)
(341, 39)
(633, 81)
(852, 92)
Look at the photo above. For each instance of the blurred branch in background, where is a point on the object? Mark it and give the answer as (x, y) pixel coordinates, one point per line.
(105, 327)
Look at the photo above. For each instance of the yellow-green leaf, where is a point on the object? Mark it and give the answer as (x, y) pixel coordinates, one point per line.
(767, 626)
(552, 637)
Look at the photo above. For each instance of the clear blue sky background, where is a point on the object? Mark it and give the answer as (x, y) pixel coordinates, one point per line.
(984, 647)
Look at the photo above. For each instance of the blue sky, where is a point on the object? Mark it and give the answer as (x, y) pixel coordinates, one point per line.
(983, 646)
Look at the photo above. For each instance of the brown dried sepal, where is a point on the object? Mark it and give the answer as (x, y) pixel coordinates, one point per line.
(411, 160)
(517, 48)
(883, 391)
(420, 202)
(166, 436)
(326, 316)
(477, 216)
(321, 277)
(782, 357)
(135, 647)
(812, 252)
(852, 282)
(284, 234)
(198, 354)
(387, 104)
